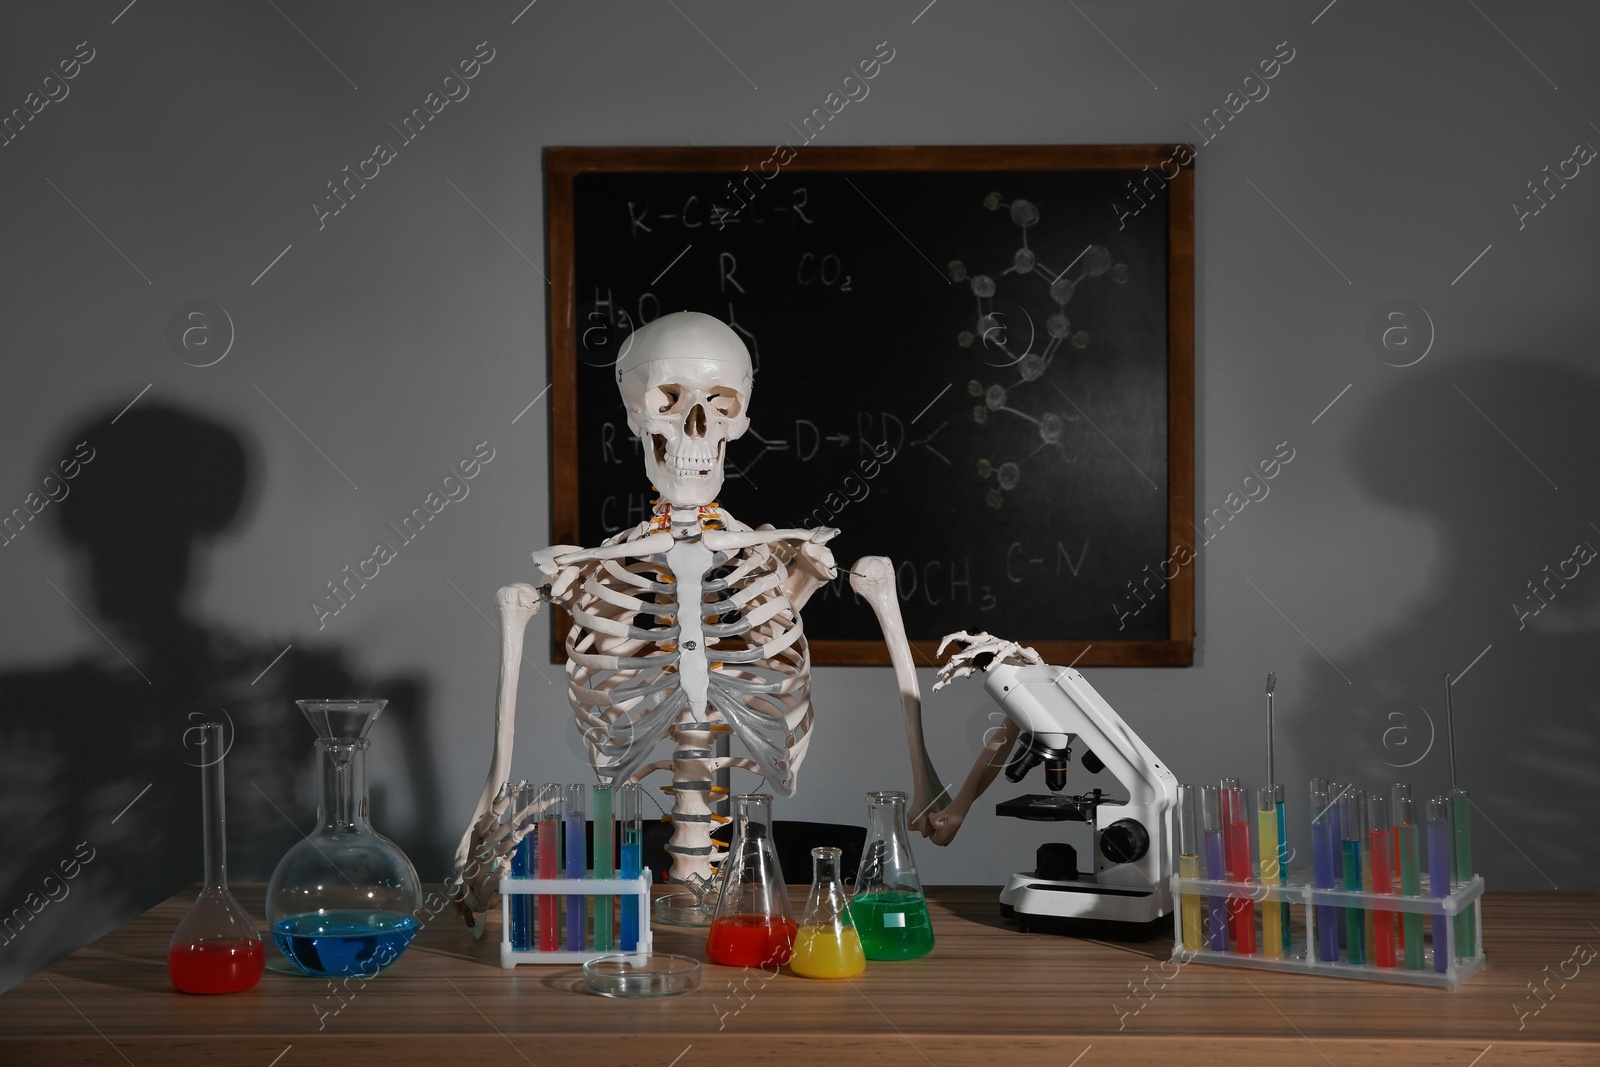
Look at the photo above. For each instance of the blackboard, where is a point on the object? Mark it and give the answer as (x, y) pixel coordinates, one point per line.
(977, 361)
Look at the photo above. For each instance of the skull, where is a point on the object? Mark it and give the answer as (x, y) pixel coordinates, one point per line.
(685, 381)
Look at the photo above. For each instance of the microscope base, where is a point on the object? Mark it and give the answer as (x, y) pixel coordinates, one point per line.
(1082, 908)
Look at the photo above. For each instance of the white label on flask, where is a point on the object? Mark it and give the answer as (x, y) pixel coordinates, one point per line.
(894, 918)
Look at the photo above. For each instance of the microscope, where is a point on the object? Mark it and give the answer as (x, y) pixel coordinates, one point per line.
(1049, 709)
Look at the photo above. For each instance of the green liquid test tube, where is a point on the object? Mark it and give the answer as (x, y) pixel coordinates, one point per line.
(1461, 870)
(1350, 825)
(604, 865)
(1405, 828)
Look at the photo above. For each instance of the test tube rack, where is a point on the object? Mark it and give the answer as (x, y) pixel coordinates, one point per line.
(1302, 957)
(598, 888)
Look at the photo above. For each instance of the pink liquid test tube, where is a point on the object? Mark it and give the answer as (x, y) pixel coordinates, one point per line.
(549, 852)
(1242, 910)
(1382, 858)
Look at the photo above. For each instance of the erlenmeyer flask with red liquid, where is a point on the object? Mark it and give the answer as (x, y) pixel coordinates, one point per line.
(754, 925)
(216, 948)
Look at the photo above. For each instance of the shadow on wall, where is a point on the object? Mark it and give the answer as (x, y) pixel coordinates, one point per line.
(101, 796)
(1516, 574)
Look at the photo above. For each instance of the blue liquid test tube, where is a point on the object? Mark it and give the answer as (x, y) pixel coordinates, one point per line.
(1216, 865)
(604, 865)
(1283, 868)
(522, 867)
(573, 819)
(1351, 822)
(1439, 877)
(630, 813)
(1323, 851)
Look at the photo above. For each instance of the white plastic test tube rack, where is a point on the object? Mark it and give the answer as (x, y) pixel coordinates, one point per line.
(603, 889)
(1302, 958)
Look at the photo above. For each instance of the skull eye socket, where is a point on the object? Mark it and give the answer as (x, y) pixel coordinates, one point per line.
(667, 399)
(724, 401)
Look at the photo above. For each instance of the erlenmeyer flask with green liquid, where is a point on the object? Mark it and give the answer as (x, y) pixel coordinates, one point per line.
(891, 914)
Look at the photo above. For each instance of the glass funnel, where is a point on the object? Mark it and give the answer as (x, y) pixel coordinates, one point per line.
(827, 945)
(216, 948)
(753, 926)
(891, 912)
(341, 901)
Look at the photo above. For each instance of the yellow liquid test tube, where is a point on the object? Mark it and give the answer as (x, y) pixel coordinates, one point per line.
(1189, 866)
(1267, 833)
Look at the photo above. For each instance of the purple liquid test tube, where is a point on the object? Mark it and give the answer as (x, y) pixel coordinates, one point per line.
(1439, 877)
(1216, 866)
(1324, 851)
(573, 819)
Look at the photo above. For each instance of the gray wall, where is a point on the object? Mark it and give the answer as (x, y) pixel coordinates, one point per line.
(412, 326)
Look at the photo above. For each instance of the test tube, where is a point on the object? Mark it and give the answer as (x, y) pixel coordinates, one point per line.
(573, 819)
(1283, 867)
(549, 849)
(630, 813)
(1367, 924)
(1267, 842)
(522, 867)
(1216, 868)
(1354, 921)
(1335, 791)
(1439, 876)
(1406, 863)
(1188, 865)
(1461, 869)
(604, 865)
(1382, 852)
(1242, 909)
(1323, 850)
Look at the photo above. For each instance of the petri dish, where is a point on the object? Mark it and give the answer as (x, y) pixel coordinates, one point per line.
(632, 976)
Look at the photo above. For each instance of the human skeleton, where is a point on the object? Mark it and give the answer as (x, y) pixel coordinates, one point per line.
(686, 625)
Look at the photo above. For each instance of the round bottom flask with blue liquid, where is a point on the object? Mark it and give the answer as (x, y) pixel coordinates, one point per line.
(342, 900)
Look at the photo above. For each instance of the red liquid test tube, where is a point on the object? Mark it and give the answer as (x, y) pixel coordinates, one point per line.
(1382, 879)
(1242, 911)
(549, 852)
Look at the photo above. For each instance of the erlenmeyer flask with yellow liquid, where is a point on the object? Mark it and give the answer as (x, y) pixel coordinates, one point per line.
(827, 945)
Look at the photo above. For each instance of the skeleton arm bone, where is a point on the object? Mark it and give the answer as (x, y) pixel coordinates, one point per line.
(517, 603)
(941, 826)
(873, 578)
(974, 653)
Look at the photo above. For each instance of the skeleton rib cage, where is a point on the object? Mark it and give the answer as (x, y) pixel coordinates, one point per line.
(643, 665)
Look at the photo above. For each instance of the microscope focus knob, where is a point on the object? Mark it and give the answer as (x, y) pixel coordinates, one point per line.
(1124, 841)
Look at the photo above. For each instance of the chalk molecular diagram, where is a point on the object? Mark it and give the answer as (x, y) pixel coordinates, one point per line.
(1000, 324)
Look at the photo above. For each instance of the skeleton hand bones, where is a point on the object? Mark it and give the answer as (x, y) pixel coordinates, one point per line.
(979, 652)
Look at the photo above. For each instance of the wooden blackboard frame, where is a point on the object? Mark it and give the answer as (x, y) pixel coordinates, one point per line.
(564, 164)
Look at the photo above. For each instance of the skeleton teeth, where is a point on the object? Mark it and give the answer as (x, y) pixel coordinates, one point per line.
(685, 468)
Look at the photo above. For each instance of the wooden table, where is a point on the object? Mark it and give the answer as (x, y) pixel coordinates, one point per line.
(987, 995)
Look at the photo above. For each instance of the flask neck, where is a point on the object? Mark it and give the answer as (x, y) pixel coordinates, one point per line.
(886, 863)
(825, 871)
(886, 817)
(212, 793)
(342, 802)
